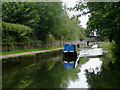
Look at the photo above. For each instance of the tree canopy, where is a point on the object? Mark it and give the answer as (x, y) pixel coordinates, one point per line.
(47, 20)
(104, 17)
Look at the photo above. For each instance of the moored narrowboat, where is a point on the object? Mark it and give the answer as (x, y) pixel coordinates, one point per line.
(69, 55)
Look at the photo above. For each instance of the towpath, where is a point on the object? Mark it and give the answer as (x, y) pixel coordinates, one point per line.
(26, 53)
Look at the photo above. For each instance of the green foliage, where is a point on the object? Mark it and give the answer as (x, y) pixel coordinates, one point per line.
(48, 20)
(105, 45)
(50, 39)
(18, 12)
(112, 48)
(104, 17)
(15, 33)
(42, 17)
(49, 15)
(70, 30)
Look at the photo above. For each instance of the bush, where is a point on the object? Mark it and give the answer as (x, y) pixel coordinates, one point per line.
(15, 33)
(50, 39)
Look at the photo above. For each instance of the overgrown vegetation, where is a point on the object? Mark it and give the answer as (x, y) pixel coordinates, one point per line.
(15, 33)
(38, 21)
(106, 45)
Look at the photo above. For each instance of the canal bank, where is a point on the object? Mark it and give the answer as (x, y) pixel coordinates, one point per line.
(29, 53)
(34, 51)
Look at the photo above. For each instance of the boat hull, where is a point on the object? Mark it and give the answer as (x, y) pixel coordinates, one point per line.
(70, 56)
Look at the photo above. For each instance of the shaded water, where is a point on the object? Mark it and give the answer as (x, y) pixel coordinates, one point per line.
(47, 71)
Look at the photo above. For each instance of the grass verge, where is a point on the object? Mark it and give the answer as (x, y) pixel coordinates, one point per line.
(28, 50)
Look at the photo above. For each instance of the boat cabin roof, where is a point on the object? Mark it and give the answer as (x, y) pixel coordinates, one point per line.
(69, 47)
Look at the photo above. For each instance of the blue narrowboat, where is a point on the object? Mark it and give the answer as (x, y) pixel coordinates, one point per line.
(69, 56)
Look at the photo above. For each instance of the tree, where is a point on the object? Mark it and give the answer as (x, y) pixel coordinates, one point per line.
(48, 20)
(42, 17)
(104, 16)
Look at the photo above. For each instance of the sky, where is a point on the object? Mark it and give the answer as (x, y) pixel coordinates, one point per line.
(71, 3)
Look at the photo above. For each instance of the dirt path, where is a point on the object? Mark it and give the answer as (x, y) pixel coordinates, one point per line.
(34, 52)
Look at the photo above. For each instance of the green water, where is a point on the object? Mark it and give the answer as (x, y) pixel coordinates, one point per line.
(47, 71)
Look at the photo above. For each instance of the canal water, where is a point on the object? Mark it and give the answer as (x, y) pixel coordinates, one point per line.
(47, 70)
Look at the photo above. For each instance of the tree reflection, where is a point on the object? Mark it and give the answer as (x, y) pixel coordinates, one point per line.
(57, 77)
(108, 77)
(48, 73)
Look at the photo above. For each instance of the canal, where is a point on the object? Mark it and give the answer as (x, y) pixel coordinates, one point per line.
(46, 70)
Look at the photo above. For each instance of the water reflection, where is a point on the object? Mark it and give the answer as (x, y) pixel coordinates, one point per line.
(32, 72)
(108, 76)
(92, 63)
(47, 71)
(69, 65)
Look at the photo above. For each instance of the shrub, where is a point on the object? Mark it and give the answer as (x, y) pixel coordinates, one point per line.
(15, 33)
(50, 39)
